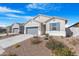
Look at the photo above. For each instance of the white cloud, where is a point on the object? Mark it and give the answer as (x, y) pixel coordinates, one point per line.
(18, 16)
(5, 9)
(27, 17)
(36, 6)
(2, 25)
(44, 6)
(12, 15)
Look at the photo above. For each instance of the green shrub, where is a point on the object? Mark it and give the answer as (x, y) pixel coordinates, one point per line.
(62, 52)
(36, 40)
(17, 46)
(46, 38)
(53, 44)
(47, 35)
(58, 48)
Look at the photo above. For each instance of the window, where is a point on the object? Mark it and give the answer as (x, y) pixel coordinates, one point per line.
(54, 26)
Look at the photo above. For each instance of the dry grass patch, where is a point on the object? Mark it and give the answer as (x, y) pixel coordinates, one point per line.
(73, 41)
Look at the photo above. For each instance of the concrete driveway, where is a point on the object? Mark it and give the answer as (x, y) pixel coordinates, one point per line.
(7, 42)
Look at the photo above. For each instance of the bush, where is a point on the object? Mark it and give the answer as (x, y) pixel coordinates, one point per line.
(53, 44)
(17, 46)
(47, 35)
(46, 38)
(62, 52)
(36, 40)
(58, 48)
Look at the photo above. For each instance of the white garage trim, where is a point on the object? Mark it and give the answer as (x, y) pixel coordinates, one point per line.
(32, 30)
(16, 30)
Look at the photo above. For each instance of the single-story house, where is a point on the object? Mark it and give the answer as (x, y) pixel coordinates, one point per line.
(17, 28)
(43, 24)
(74, 29)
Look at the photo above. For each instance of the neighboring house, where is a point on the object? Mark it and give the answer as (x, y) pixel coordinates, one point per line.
(2, 30)
(17, 28)
(9, 29)
(42, 24)
(75, 29)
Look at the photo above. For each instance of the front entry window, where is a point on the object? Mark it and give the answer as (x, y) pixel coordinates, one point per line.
(55, 26)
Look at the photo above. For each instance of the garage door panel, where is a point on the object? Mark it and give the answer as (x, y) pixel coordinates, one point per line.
(32, 30)
(15, 30)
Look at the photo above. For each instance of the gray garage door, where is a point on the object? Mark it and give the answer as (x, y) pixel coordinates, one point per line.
(15, 30)
(32, 30)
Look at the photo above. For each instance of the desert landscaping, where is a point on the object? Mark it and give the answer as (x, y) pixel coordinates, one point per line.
(45, 46)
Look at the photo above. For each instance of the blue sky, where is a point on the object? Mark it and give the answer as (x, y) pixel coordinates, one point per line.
(21, 12)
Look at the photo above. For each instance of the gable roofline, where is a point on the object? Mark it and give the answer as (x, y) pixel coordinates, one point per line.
(20, 24)
(56, 17)
(74, 24)
(53, 17)
(36, 17)
(43, 16)
(29, 20)
(50, 18)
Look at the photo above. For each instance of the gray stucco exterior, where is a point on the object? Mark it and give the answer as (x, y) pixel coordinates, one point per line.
(43, 24)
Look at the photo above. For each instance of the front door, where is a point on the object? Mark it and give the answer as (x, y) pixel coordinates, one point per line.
(43, 29)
